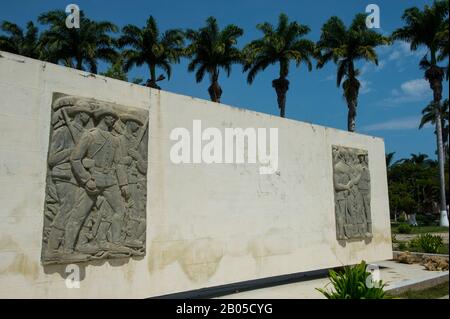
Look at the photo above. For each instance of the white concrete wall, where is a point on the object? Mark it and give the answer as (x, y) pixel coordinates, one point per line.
(208, 225)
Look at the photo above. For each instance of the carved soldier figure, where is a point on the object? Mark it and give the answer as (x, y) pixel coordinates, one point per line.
(364, 189)
(96, 164)
(351, 180)
(357, 220)
(67, 188)
(133, 157)
(342, 184)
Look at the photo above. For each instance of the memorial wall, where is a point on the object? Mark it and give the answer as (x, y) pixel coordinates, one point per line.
(141, 193)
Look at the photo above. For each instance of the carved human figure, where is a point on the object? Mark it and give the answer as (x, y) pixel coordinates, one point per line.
(364, 189)
(356, 222)
(133, 157)
(342, 184)
(96, 164)
(351, 180)
(96, 181)
(67, 188)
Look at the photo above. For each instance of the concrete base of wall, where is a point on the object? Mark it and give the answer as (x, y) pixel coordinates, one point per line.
(398, 277)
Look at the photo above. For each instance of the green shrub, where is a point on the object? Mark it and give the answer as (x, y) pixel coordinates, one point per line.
(394, 238)
(351, 284)
(426, 220)
(401, 246)
(414, 244)
(404, 229)
(429, 243)
(401, 219)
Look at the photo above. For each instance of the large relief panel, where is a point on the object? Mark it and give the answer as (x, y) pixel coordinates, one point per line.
(351, 179)
(95, 205)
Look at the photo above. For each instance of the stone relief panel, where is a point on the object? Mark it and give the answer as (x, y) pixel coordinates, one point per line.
(351, 178)
(95, 205)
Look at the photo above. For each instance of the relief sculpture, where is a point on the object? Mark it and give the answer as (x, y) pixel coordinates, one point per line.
(95, 205)
(351, 178)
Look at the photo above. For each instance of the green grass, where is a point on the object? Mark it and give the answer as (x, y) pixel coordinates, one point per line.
(423, 229)
(443, 249)
(430, 293)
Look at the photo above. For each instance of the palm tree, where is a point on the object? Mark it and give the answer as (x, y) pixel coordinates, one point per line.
(149, 46)
(429, 116)
(389, 159)
(425, 28)
(116, 71)
(443, 37)
(77, 47)
(417, 159)
(345, 46)
(212, 49)
(18, 42)
(279, 45)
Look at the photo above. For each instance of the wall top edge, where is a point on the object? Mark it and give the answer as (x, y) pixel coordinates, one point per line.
(154, 92)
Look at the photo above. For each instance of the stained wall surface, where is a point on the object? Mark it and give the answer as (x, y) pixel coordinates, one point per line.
(207, 224)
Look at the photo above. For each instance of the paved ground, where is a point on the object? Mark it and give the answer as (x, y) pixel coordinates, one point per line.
(392, 273)
(407, 237)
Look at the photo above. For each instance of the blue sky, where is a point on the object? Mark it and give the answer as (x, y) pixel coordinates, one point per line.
(392, 96)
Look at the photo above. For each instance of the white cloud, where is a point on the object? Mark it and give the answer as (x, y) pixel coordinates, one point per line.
(370, 67)
(400, 54)
(365, 86)
(404, 123)
(409, 91)
(401, 49)
(365, 68)
(328, 78)
(417, 88)
(394, 55)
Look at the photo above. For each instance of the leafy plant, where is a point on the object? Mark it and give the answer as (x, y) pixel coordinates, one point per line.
(19, 41)
(429, 28)
(345, 46)
(152, 47)
(414, 244)
(280, 45)
(429, 243)
(401, 246)
(77, 47)
(212, 49)
(394, 238)
(351, 283)
(426, 220)
(404, 229)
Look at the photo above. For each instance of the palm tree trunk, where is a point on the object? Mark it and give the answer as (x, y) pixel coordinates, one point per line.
(351, 117)
(281, 86)
(440, 145)
(435, 77)
(79, 64)
(214, 90)
(152, 82)
(351, 91)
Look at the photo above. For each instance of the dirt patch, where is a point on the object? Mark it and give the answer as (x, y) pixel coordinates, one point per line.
(432, 263)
